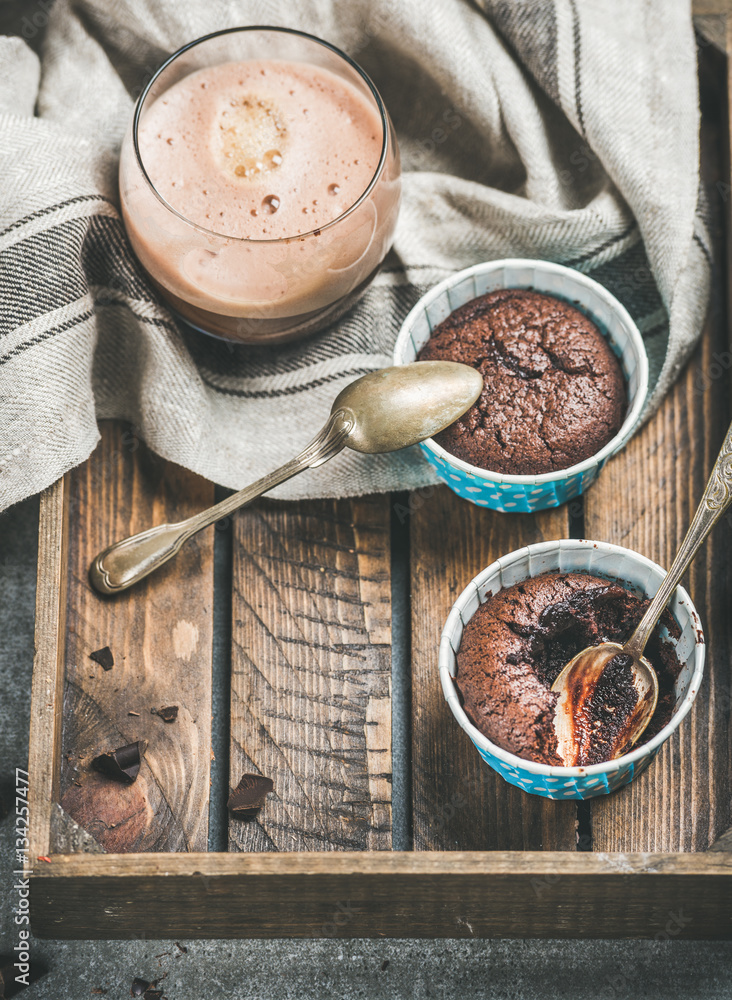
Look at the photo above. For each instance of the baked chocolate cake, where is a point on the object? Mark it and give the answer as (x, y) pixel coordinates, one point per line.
(554, 391)
(518, 641)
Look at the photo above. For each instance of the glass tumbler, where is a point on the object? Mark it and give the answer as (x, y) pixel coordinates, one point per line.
(251, 290)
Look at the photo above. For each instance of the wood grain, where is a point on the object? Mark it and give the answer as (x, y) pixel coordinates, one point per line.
(386, 894)
(459, 803)
(707, 8)
(44, 750)
(648, 496)
(311, 673)
(649, 493)
(160, 636)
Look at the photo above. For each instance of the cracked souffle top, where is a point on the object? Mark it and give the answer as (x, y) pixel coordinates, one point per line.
(554, 392)
(518, 641)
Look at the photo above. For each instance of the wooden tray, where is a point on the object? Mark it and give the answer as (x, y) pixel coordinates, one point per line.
(364, 835)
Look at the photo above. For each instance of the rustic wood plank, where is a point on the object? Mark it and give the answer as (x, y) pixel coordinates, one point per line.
(459, 803)
(386, 894)
(650, 491)
(160, 636)
(44, 750)
(311, 673)
(707, 8)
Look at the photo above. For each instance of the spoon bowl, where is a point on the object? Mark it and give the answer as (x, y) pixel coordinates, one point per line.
(584, 674)
(397, 407)
(607, 697)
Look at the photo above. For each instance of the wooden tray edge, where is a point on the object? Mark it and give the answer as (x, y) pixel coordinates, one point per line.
(44, 753)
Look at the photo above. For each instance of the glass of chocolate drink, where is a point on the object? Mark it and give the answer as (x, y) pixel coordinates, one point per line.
(260, 184)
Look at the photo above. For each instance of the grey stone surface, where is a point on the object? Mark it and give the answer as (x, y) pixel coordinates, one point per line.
(301, 970)
(441, 970)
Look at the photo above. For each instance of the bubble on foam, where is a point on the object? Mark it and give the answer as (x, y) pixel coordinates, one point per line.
(334, 189)
(251, 135)
(270, 204)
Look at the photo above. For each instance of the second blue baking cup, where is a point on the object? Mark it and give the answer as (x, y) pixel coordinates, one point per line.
(572, 555)
(524, 494)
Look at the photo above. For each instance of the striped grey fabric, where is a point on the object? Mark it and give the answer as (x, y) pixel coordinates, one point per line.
(543, 128)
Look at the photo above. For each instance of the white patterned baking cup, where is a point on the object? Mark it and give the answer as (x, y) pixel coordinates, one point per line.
(613, 562)
(524, 494)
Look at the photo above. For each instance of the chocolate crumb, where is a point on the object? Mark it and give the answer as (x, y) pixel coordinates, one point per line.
(249, 795)
(139, 986)
(122, 764)
(98, 991)
(103, 657)
(152, 994)
(169, 714)
(385, 965)
(181, 948)
(134, 713)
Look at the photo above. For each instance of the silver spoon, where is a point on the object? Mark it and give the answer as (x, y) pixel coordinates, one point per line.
(577, 683)
(383, 411)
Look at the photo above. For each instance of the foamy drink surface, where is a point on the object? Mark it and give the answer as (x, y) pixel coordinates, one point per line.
(263, 149)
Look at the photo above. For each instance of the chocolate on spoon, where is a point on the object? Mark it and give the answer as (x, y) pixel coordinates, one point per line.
(579, 682)
(380, 412)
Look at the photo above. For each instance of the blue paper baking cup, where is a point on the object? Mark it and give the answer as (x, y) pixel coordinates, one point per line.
(612, 562)
(524, 494)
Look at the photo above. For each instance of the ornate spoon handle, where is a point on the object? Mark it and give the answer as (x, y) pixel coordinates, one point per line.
(715, 500)
(128, 561)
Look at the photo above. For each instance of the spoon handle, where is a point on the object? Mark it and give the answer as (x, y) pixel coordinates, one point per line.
(131, 559)
(715, 500)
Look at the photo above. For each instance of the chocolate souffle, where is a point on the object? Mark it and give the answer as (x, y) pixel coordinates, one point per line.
(518, 641)
(554, 391)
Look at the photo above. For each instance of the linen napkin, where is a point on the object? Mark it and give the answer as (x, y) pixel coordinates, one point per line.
(541, 128)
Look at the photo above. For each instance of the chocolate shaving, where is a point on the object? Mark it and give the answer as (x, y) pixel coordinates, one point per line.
(148, 991)
(249, 795)
(98, 991)
(169, 714)
(122, 764)
(103, 657)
